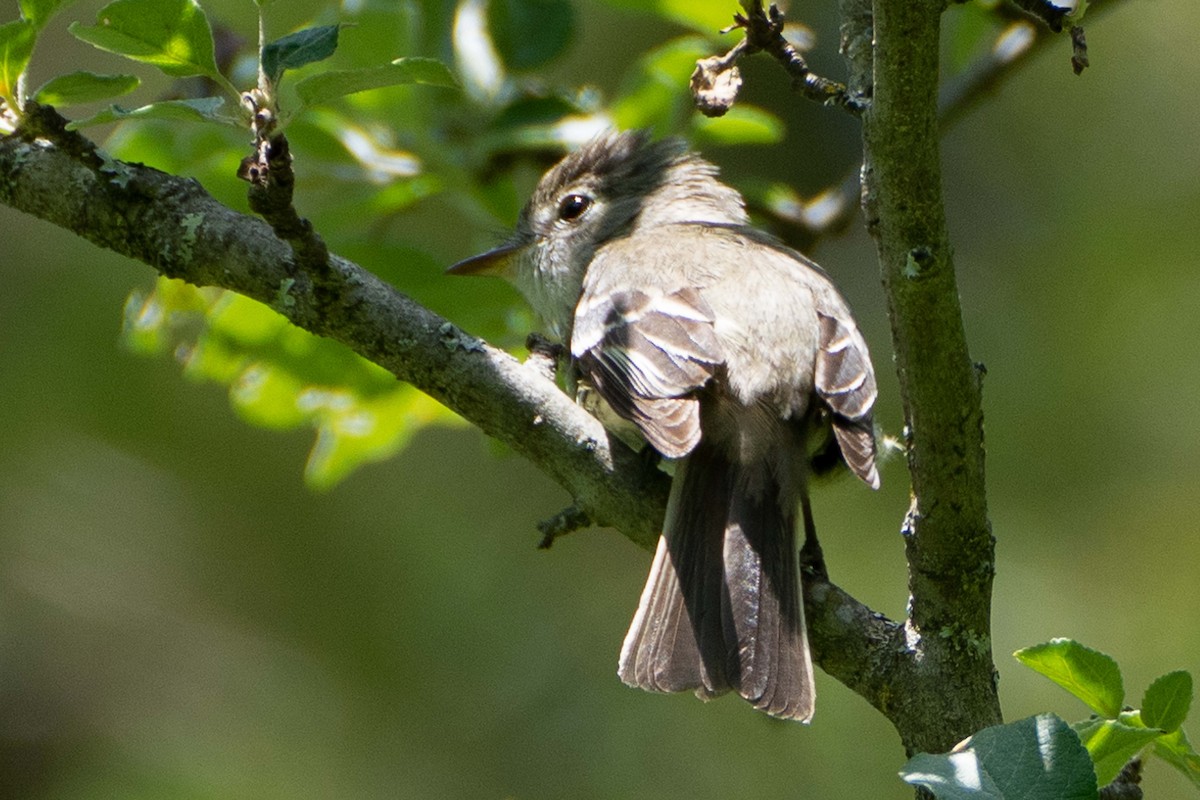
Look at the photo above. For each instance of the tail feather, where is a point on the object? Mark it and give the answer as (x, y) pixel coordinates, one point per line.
(675, 642)
(765, 612)
(721, 608)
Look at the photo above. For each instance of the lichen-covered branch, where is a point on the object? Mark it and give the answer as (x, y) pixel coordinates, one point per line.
(948, 537)
(174, 226)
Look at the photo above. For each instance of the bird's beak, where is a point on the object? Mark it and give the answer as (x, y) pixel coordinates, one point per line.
(500, 262)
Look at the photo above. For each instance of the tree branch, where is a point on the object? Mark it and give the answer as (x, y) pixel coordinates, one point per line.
(174, 226)
(948, 538)
(716, 81)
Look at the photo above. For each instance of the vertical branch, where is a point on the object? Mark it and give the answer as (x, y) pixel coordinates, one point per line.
(948, 538)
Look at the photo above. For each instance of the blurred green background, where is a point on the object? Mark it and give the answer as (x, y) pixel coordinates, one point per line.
(180, 617)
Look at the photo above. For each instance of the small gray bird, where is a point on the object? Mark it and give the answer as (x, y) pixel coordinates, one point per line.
(730, 353)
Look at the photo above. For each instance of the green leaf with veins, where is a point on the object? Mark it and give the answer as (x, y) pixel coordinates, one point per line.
(1088, 674)
(297, 49)
(326, 86)
(201, 109)
(1111, 744)
(84, 87)
(1166, 703)
(173, 35)
(1038, 758)
(1176, 750)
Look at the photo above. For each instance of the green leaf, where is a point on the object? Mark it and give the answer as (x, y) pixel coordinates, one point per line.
(1088, 674)
(326, 86)
(512, 24)
(656, 94)
(201, 109)
(1111, 744)
(297, 49)
(1176, 750)
(705, 16)
(281, 377)
(39, 12)
(16, 47)
(1037, 758)
(1166, 703)
(173, 35)
(742, 124)
(350, 434)
(84, 87)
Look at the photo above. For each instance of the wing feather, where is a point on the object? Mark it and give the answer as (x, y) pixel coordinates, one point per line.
(845, 380)
(646, 355)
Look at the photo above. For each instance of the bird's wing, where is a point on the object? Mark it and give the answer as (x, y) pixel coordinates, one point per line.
(845, 380)
(646, 353)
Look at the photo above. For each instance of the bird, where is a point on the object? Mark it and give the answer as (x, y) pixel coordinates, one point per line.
(737, 360)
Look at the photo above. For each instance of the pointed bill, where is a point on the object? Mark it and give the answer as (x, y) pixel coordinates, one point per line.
(501, 262)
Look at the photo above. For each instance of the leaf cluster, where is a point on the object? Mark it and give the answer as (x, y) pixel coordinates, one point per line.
(371, 146)
(1043, 756)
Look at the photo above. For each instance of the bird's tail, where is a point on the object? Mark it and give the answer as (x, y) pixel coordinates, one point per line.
(721, 609)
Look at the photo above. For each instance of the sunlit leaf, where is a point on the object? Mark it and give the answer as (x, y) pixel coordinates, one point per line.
(326, 86)
(742, 124)
(1088, 674)
(351, 434)
(39, 12)
(705, 16)
(1176, 750)
(1111, 744)
(84, 87)
(16, 47)
(1166, 703)
(173, 35)
(1038, 758)
(655, 95)
(512, 21)
(281, 377)
(201, 109)
(297, 49)
(265, 395)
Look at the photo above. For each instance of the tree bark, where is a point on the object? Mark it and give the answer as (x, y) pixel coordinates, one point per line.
(931, 675)
(949, 544)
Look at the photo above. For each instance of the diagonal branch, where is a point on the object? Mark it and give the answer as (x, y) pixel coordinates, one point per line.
(174, 226)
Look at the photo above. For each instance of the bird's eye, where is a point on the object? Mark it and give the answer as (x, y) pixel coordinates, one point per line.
(572, 207)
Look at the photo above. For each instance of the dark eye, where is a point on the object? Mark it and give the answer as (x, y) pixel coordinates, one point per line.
(572, 207)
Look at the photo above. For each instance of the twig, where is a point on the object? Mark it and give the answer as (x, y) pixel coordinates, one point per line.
(272, 184)
(1126, 786)
(1013, 48)
(716, 81)
(568, 520)
(1079, 51)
